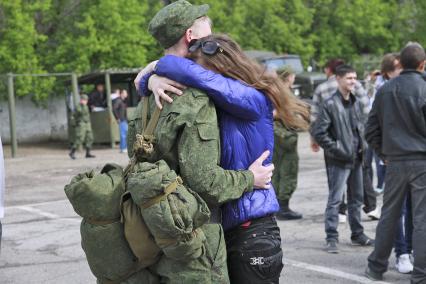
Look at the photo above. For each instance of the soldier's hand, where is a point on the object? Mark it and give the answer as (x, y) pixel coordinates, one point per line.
(262, 174)
(160, 85)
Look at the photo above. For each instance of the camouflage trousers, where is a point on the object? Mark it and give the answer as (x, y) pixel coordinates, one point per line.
(83, 136)
(284, 179)
(210, 268)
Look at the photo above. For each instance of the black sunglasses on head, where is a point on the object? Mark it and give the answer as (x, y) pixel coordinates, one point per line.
(208, 47)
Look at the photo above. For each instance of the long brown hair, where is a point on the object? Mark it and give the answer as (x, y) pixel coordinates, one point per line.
(231, 61)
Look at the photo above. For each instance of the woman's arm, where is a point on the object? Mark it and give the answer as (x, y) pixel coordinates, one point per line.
(228, 94)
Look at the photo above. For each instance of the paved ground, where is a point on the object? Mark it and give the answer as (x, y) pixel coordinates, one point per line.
(41, 239)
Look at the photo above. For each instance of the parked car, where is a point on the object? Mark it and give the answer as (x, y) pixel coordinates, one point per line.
(305, 82)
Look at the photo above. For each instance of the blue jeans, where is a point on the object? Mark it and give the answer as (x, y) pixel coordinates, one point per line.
(381, 171)
(123, 134)
(404, 231)
(338, 178)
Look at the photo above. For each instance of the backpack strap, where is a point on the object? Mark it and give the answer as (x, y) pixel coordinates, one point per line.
(148, 128)
(169, 189)
(144, 143)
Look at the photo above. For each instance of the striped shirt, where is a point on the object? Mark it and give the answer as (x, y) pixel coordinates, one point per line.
(328, 88)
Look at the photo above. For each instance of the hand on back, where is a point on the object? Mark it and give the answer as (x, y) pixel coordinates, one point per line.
(262, 174)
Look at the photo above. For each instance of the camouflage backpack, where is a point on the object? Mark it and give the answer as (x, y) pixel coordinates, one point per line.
(172, 212)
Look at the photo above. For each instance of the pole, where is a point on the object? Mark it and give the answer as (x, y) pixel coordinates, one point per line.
(109, 105)
(12, 115)
(75, 94)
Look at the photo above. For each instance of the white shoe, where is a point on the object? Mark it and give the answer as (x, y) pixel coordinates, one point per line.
(403, 264)
(342, 218)
(374, 215)
(123, 151)
(378, 190)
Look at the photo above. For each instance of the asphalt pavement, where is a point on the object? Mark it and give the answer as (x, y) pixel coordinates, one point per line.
(41, 232)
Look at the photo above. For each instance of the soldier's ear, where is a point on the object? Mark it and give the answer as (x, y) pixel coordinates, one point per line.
(189, 35)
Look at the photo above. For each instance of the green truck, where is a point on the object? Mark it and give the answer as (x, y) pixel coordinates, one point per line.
(305, 82)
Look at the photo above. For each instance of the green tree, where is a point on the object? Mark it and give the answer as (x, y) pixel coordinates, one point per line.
(18, 46)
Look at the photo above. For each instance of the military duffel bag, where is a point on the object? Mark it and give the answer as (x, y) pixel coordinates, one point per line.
(96, 198)
(172, 212)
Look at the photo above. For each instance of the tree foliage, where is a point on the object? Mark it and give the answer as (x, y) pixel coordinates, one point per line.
(39, 36)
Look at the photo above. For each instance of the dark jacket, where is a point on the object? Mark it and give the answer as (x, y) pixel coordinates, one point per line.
(333, 132)
(119, 108)
(396, 126)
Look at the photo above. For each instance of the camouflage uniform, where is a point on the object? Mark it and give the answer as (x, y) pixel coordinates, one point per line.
(83, 130)
(286, 161)
(187, 138)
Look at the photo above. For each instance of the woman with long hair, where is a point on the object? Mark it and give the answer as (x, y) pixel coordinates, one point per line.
(217, 65)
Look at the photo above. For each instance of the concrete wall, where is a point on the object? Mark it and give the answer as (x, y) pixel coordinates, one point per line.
(35, 124)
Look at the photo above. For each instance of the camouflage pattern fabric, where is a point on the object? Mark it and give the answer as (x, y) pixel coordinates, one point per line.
(210, 268)
(172, 212)
(96, 197)
(83, 128)
(171, 22)
(187, 138)
(286, 161)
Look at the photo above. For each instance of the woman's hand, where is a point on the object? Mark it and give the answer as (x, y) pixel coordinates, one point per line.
(262, 174)
(160, 85)
(149, 68)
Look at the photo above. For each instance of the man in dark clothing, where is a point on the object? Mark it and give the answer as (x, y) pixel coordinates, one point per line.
(97, 98)
(396, 130)
(339, 131)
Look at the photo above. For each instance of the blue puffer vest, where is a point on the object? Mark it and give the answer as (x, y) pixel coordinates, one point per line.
(246, 127)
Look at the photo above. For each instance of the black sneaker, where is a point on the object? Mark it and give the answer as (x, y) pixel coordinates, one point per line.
(331, 247)
(362, 240)
(372, 275)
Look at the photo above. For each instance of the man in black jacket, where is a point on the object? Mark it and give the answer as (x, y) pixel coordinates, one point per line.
(396, 130)
(339, 131)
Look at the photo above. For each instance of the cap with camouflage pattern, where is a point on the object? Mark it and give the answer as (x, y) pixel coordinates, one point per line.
(84, 97)
(171, 22)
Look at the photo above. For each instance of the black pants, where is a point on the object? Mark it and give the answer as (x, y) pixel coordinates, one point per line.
(402, 177)
(370, 199)
(254, 253)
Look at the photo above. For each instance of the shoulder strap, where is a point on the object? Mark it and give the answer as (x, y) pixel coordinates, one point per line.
(148, 130)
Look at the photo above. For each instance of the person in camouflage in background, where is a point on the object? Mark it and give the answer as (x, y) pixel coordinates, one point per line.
(285, 159)
(187, 138)
(83, 128)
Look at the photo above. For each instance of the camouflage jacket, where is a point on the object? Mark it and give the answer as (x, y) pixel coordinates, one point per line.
(187, 138)
(81, 114)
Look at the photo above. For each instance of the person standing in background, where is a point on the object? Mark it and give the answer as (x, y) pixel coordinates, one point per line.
(396, 130)
(83, 131)
(285, 158)
(339, 130)
(120, 113)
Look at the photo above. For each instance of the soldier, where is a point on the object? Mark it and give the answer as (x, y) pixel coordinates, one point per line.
(188, 140)
(83, 128)
(285, 159)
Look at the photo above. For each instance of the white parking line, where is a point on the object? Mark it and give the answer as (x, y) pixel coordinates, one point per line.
(45, 213)
(36, 204)
(38, 211)
(334, 272)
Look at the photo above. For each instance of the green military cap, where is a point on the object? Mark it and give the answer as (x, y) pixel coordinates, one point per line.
(285, 71)
(171, 22)
(84, 97)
